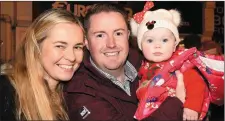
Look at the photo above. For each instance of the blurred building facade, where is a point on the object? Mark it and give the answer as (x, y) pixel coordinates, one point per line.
(15, 17)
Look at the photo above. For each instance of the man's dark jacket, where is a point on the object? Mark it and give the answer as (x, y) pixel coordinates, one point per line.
(92, 97)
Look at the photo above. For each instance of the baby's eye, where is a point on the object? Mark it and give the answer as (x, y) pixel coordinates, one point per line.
(149, 40)
(165, 40)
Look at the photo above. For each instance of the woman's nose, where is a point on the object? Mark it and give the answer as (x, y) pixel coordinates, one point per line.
(70, 55)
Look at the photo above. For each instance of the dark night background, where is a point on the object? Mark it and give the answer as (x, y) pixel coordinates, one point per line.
(191, 11)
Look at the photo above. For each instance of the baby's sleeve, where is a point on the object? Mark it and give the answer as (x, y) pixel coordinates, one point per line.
(195, 90)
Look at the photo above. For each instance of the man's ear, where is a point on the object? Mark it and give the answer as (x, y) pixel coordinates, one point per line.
(128, 34)
(86, 43)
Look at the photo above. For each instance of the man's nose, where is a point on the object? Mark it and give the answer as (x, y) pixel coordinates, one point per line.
(111, 43)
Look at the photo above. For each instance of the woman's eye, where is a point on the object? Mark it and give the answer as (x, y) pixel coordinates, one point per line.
(60, 46)
(165, 40)
(149, 40)
(78, 47)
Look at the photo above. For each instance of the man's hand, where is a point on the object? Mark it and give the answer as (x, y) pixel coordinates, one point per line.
(180, 89)
(190, 115)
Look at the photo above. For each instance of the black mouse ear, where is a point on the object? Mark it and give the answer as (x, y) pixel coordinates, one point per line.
(150, 25)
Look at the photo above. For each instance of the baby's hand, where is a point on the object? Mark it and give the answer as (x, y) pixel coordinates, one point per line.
(190, 115)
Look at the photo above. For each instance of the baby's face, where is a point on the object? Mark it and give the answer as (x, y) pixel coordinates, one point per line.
(158, 44)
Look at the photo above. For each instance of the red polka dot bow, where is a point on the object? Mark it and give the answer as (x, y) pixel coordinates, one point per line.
(138, 17)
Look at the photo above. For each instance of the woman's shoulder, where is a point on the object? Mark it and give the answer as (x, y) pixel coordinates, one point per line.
(6, 88)
(7, 94)
(5, 83)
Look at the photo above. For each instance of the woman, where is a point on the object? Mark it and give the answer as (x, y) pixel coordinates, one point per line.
(51, 52)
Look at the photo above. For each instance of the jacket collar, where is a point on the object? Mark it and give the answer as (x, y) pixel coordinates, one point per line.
(130, 71)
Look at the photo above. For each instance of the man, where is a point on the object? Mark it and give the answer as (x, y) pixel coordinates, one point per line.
(104, 88)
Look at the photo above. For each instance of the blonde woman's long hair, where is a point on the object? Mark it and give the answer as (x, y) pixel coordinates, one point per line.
(34, 99)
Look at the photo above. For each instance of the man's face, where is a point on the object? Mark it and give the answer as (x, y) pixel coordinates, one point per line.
(107, 40)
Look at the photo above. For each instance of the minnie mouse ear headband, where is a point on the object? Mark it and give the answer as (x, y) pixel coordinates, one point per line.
(148, 20)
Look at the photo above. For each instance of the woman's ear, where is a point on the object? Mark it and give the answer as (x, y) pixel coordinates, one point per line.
(39, 47)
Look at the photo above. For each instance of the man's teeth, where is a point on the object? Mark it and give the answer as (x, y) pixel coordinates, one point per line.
(65, 66)
(112, 54)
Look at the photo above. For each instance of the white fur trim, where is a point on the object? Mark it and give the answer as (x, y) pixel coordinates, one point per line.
(176, 17)
(213, 64)
(134, 27)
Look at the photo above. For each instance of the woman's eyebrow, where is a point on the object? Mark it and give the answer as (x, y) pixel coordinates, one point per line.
(61, 42)
(81, 43)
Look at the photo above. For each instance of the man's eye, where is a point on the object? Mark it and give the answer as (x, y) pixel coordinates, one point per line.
(149, 40)
(119, 33)
(99, 35)
(165, 40)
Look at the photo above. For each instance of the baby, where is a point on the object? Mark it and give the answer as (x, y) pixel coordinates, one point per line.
(157, 38)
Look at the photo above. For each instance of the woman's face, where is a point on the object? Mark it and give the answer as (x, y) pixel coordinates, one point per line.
(62, 52)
